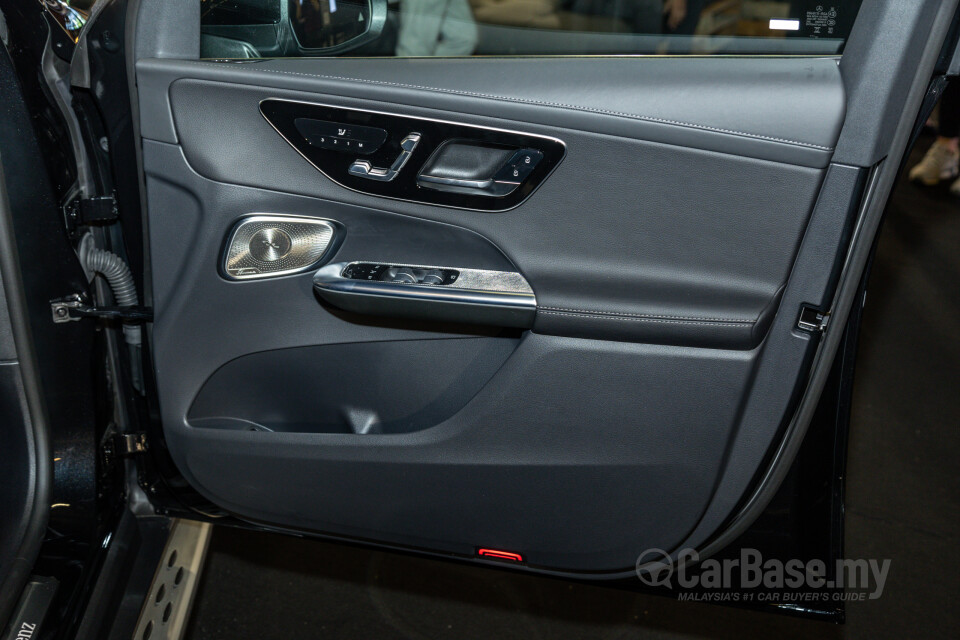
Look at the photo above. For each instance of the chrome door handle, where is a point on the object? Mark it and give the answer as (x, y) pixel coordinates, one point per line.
(363, 168)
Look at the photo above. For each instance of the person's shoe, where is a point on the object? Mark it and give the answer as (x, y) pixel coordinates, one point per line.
(940, 163)
(955, 188)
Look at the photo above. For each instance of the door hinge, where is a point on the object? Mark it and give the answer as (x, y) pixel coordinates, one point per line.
(97, 210)
(128, 444)
(812, 320)
(75, 307)
(123, 445)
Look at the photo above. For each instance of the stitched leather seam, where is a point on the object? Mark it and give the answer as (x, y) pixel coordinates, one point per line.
(651, 316)
(659, 320)
(560, 105)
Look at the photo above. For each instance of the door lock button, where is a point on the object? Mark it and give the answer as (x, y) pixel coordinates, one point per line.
(520, 165)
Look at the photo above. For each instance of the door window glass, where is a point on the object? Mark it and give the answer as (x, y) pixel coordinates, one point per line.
(275, 28)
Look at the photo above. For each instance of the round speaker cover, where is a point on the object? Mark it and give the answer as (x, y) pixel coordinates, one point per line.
(262, 246)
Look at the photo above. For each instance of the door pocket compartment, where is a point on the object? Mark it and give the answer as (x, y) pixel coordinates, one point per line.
(360, 388)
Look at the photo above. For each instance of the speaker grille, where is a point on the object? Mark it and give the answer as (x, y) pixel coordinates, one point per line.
(264, 246)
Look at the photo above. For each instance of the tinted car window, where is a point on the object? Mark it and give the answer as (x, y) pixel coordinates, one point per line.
(266, 28)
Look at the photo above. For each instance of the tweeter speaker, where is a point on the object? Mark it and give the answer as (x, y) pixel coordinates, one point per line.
(264, 246)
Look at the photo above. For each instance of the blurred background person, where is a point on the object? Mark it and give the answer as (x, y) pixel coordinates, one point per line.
(314, 19)
(942, 160)
(680, 17)
(436, 28)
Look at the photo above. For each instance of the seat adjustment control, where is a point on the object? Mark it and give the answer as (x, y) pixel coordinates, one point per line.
(364, 169)
(337, 136)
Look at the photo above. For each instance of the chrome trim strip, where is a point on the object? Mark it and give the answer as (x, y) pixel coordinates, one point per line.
(457, 182)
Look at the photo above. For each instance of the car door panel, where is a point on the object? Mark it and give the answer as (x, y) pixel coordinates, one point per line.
(709, 291)
(662, 342)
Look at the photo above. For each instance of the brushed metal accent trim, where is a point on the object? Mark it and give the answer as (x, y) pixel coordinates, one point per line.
(474, 286)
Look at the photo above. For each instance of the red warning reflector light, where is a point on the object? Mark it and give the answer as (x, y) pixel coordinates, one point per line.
(497, 554)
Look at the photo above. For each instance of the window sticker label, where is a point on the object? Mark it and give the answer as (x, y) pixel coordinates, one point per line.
(821, 21)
